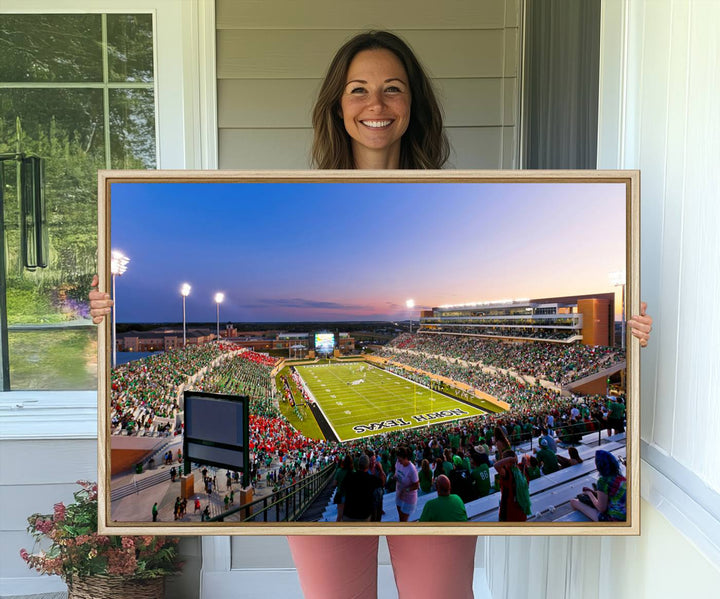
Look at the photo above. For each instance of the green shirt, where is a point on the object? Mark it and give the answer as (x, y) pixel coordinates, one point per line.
(548, 460)
(425, 481)
(533, 472)
(449, 508)
(481, 479)
(617, 410)
(454, 440)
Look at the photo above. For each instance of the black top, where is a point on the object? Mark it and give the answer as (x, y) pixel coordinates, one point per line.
(359, 488)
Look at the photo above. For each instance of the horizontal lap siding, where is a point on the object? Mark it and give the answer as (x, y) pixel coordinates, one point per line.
(36, 475)
(349, 14)
(271, 58)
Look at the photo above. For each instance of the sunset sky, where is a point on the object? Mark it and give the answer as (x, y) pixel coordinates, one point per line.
(358, 251)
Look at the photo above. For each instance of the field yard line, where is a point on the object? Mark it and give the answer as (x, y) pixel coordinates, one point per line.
(391, 394)
(310, 393)
(402, 378)
(354, 391)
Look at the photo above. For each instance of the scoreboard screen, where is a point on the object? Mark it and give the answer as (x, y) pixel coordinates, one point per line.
(324, 343)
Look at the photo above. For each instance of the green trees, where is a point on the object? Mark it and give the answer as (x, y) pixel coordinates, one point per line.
(78, 91)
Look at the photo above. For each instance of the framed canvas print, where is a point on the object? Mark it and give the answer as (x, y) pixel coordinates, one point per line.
(367, 352)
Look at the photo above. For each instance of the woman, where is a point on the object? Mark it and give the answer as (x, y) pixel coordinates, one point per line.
(501, 443)
(377, 109)
(514, 491)
(426, 477)
(608, 501)
(407, 486)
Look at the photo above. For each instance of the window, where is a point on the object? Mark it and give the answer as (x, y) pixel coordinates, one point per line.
(77, 90)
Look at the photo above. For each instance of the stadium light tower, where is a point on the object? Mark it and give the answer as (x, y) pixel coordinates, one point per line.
(410, 305)
(617, 279)
(184, 291)
(219, 297)
(118, 265)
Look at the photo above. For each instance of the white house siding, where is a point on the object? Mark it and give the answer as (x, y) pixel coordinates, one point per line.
(271, 57)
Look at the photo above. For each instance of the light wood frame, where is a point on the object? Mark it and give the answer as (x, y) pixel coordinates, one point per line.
(630, 178)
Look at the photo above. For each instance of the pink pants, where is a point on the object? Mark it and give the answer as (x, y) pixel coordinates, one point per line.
(346, 567)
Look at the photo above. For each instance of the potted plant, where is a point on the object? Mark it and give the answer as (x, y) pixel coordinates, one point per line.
(93, 566)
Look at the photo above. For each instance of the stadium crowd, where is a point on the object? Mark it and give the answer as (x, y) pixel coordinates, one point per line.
(144, 390)
(464, 451)
(518, 332)
(560, 364)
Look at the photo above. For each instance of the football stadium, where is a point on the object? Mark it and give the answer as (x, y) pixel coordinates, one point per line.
(543, 379)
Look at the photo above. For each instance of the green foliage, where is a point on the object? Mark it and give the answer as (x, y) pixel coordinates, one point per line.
(66, 127)
(71, 198)
(27, 303)
(68, 358)
(77, 550)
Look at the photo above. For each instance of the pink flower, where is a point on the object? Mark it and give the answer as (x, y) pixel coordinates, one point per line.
(128, 543)
(59, 512)
(43, 526)
(25, 555)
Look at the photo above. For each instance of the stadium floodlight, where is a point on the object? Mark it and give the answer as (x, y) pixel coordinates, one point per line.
(219, 297)
(617, 279)
(118, 265)
(184, 291)
(410, 304)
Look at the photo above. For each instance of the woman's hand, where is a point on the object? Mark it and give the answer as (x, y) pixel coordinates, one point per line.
(641, 325)
(100, 303)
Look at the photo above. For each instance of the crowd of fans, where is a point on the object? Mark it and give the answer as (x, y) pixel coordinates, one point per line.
(555, 334)
(244, 373)
(559, 364)
(463, 451)
(144, 390)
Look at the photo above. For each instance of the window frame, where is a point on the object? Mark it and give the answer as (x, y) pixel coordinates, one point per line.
(186, 138)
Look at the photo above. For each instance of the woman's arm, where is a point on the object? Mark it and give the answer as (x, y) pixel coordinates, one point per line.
(500, 465)
(383, 476)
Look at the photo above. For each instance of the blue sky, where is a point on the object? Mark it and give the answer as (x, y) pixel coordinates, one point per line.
(358, 251)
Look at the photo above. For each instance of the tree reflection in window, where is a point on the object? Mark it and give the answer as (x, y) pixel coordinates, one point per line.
(77, 90)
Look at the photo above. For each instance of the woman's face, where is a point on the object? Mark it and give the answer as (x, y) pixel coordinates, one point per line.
(375, 104)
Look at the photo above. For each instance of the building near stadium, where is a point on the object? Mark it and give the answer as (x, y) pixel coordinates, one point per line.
(167, 338)
(587, 319)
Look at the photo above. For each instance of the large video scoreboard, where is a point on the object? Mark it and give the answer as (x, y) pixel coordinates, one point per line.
(324, 342)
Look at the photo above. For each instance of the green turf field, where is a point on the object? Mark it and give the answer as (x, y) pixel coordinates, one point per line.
(382, 402)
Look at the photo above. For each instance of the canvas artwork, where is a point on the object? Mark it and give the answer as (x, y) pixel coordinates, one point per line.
(364, 353)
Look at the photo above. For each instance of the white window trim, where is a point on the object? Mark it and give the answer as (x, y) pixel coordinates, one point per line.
(186, 129)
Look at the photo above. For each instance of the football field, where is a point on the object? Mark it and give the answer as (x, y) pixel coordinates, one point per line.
(360, 400)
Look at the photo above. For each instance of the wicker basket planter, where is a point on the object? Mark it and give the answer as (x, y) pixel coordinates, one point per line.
(116, 587)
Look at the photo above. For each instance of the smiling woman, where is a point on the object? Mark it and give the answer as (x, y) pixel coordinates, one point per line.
(365, 104)
(375, 108)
